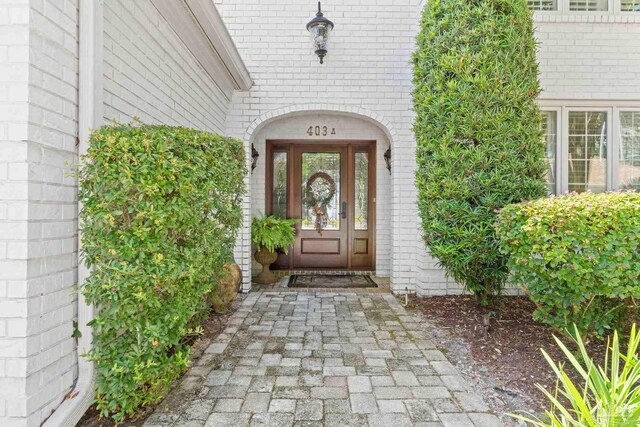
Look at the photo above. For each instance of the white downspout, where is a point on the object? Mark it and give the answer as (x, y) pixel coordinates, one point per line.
(89, 117)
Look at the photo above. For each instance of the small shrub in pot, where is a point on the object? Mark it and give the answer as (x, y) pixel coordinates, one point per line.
(269, 233)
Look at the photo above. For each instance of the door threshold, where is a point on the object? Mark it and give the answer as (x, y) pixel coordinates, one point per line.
(326, 271)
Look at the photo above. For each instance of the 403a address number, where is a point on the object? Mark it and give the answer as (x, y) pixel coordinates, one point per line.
(320, 131)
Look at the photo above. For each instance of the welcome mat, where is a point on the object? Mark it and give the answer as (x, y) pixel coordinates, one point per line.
(331, 281)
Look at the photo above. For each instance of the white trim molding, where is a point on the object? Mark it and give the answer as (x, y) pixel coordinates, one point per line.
(200, 27)
(90, 106)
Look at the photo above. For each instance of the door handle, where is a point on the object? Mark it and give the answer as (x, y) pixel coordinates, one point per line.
(343, 214)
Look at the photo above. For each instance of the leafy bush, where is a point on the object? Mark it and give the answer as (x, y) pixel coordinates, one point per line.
(610, 395)
(161, 210)
(273, 232)
(477, 129)
(577, 256)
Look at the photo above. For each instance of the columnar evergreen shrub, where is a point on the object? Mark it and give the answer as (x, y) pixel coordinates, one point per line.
(577, 256)
(477, 129)
(161, 210)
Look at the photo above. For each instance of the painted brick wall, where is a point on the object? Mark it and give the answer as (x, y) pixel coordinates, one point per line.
(367, 67)
(38, 213)
(589, 56)
(14, 114)
(149, 73)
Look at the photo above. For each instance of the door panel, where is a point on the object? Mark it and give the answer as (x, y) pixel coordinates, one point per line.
(320, 190)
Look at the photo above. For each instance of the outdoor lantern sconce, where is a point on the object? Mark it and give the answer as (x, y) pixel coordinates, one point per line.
(254, 157)
(387, 159)
(320, 27)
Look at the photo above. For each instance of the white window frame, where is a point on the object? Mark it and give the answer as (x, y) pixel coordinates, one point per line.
(610, 8)
(565, 144)
(613, 7)
(618, 134)
(559, 127)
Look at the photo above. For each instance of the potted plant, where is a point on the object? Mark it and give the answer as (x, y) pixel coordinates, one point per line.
(268, 234)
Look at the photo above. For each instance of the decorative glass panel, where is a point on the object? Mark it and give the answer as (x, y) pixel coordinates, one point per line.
(550, 129)
(630, 5)
(588, 5)
(588, 151)
(279, 203)
(629, 167)
(361, 192)
(320, 191)
(543, 4)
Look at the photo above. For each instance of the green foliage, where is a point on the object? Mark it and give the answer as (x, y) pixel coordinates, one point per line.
(161, 210)
(273, 232)
(577, 256)
(477, 128)
(610, 396)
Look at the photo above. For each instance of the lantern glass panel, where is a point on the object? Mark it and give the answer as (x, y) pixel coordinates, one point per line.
(320, 36)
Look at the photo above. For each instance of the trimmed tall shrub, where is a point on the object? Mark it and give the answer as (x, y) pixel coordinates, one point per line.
(161, 210)
(477, 129)
(578, 258)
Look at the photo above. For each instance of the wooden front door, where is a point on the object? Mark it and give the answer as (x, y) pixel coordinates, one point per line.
(330, 187)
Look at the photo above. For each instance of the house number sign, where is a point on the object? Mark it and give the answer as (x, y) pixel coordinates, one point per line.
(316, 130)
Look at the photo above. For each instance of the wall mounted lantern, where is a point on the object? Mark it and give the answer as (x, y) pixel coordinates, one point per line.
(387, 159)
(320, 27)
(254, 157)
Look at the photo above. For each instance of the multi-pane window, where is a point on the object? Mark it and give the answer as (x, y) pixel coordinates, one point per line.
(629, 166)
(588, 5)
(630, 5)
(543, 4)
(587, 162)
(550, 130)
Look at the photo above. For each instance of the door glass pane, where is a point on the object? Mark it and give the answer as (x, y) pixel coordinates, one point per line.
(279, 207)
(362, 191)
(550, 129)
(320, 191)
(588, 5)
(630, 5)
(629, 167)
(542, 4)
(588, 151)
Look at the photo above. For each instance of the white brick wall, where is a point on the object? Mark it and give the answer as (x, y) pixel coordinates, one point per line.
(367, 67)
(589, 57)
(582, 56)
(38, 225)
(150, 74)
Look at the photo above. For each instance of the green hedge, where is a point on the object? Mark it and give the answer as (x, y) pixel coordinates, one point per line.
(161, 210)
(477, 130)
(577, 256)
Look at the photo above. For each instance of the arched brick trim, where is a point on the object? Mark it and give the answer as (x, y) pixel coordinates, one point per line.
(300, 109)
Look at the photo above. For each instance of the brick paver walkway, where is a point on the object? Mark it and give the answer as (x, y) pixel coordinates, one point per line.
(332, 358)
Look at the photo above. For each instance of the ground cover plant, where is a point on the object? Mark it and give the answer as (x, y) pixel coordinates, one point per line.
(606, 395)
(161, 207)
(477, 127)
(577, 256)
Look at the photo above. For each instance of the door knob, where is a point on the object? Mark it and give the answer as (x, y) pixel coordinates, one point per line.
(343, 214)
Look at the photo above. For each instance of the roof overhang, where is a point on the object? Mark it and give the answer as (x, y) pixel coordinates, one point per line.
(200, 27)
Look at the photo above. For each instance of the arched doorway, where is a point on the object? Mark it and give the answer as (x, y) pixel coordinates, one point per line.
(293, 131)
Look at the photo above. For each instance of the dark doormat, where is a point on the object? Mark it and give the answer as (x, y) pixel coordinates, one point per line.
(331, 281)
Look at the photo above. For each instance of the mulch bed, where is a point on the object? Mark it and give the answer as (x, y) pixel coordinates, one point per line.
(212, 326)
(505, 358)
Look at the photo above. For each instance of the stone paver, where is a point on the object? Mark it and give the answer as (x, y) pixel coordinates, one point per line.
(323, 358)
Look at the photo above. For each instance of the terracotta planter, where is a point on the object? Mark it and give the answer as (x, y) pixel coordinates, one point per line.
(227, 290)
(265, 258)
